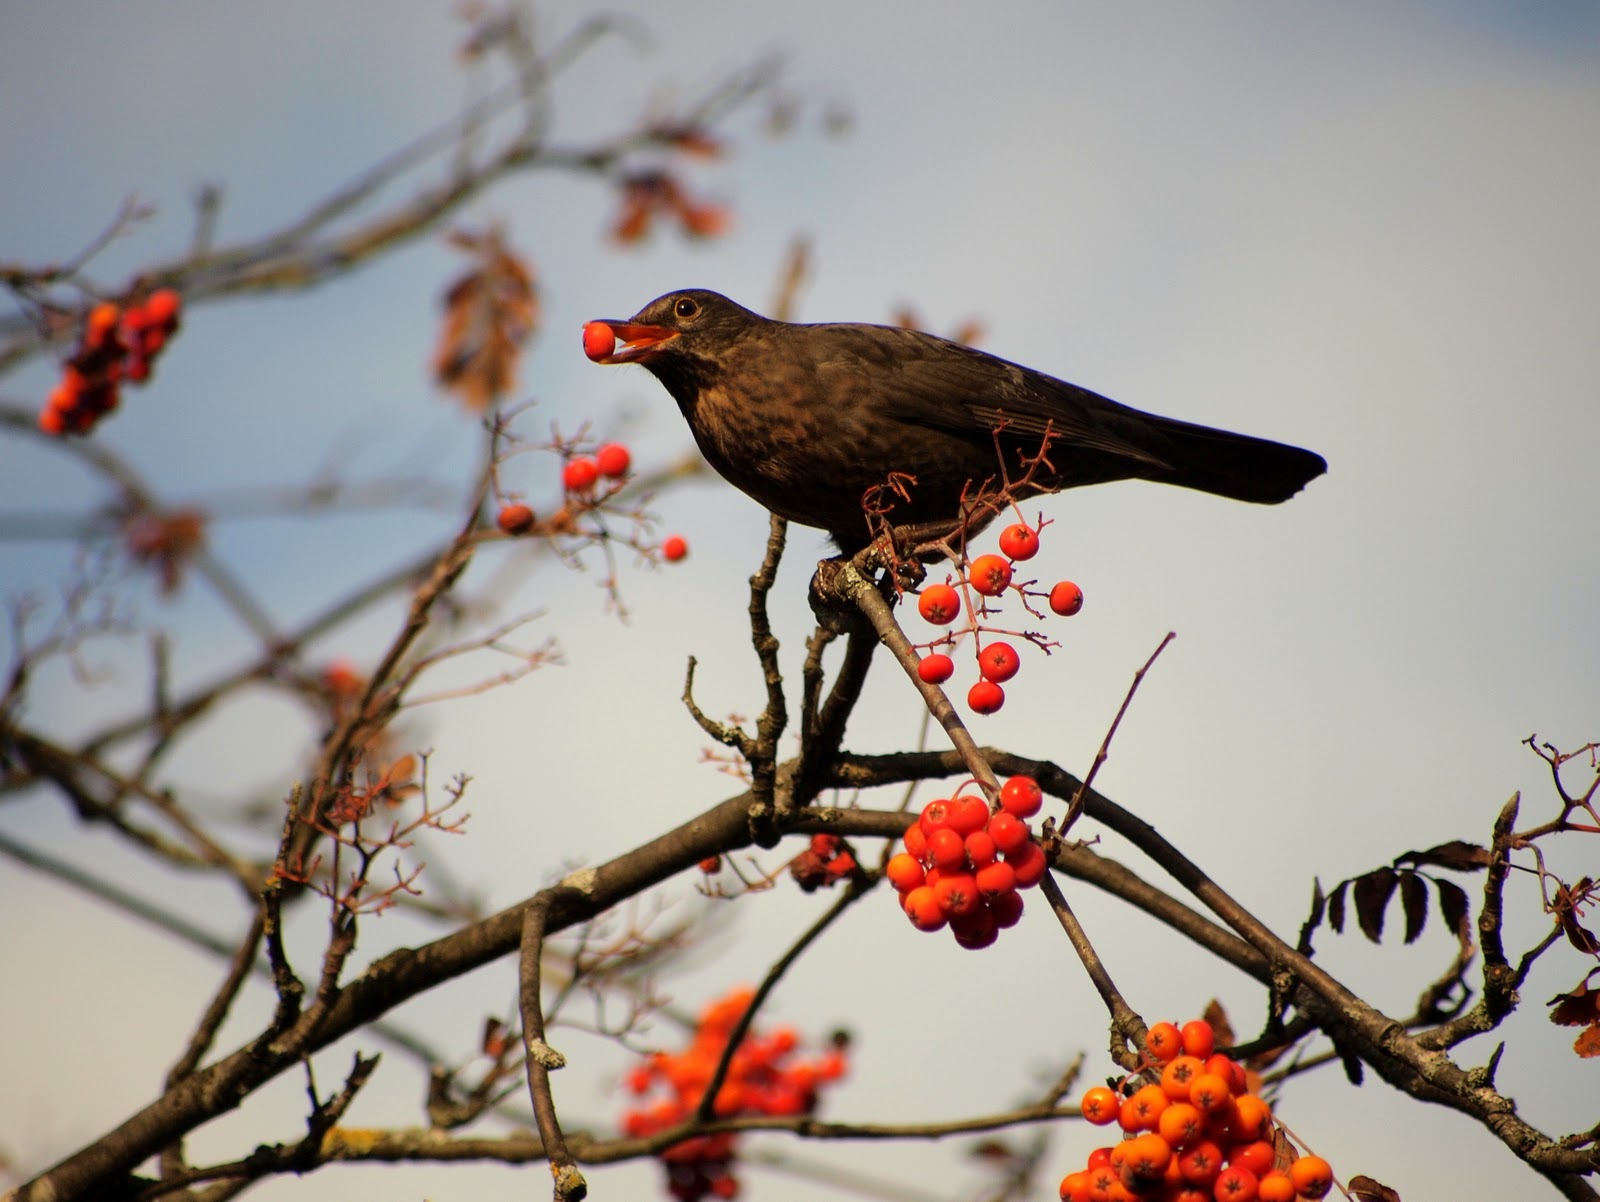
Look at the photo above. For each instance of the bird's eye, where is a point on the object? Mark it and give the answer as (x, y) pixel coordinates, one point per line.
(685, 307)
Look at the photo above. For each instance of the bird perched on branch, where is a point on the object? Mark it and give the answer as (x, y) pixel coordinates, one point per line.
(812, 420)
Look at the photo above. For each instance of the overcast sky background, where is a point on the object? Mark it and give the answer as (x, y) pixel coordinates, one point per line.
(1367, 228)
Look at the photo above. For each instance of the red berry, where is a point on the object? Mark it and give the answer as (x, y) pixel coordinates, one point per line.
(994, 879)
(580, 474)
(1199, 1039)
(905, 872)
(1007, 909)
(956, 894)
(1164, 1041)
(515, 519)
(1029, 863)
(102, 321)
(998, 662)
(936, 815)
(1021, 796)
(936, 668)
(923, 910)
(674, 548)
(980, 849)
(975, 929)
(939, 604)
(1236, 1184)
(968, 814)
(161, 307)
(916, 840)
(985, 697)
(1066, 598)
(1019, 542)
(946, 849)
(598, 340)
(990, 575)
(709, 865)
(1007, 830)
(613, 460)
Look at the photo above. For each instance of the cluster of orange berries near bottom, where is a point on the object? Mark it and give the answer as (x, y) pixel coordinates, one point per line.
(963, 866)
(1196, 1135)
(765, 1077)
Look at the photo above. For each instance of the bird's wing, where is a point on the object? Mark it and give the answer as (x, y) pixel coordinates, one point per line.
(928, 381)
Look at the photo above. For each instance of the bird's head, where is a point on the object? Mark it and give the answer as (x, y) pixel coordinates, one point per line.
(671, 333)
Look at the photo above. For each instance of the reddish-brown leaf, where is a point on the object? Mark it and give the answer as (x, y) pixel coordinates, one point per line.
(1365, 1189)
(1578, 1008)
(1457, 855)
(1587, 1044)
(1453, 908)
(489, 312)
(167, 542)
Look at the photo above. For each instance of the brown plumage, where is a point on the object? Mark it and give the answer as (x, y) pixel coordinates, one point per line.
(806, 418)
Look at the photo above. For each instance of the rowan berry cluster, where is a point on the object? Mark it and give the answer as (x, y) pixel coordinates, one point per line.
(964, 867)
(766, 1076)
(1193, 1134)
(828, 859)
(989, 576)
(588, 481)
(118, 345)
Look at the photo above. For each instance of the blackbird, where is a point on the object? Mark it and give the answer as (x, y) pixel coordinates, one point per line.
(808, 419)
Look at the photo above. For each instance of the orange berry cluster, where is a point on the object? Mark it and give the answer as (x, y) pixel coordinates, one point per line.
(118, 344)
(765, 1077)
(1194, 1135)
(963, 867)
(589, 481)
(989, 576)
(827, 860)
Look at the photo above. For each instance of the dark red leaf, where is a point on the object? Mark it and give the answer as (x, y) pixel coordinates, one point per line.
(1457, 855)
(1414, 901)
(1372, 893)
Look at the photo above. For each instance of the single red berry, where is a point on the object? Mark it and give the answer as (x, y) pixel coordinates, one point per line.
(1066, 598)
(967, 814)
(936, 815)
(514, 519)
(580, 474)
(1021, 796)
(161, 307)
(996, 878)
(1007, 909)
(598, 340)
(946, 849)
(998, 662)
(1199, 1039)
(939, 604)
(1029, 863)
(975, 929)
(980, 849)
(1019, 542)
(1164, 1041)
(905, 872)
(985, 697)
(674, 548)
(1235, 1184)
(101, 322)
(1007, 830)
(916, 840)
(613, 460)
(956, 894)
(923, 909)
(711, 864)
(52, 421)
(990, 575)
(1100, 1105)
(936, 668)
(825, 845)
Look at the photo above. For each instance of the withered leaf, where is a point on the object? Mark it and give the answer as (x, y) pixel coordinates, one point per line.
(1372, 893)
(1457, 854)
(1414, 901)
(489, 313)
(1365, 1189)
